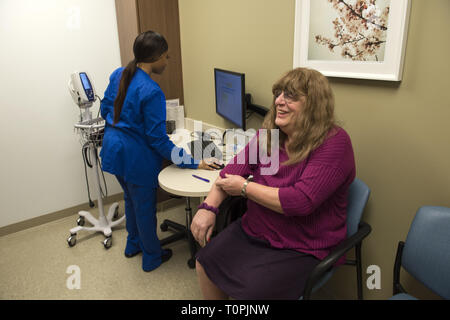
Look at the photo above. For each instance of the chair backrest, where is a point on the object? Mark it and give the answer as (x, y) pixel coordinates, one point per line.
(358, 195)
(426, 254)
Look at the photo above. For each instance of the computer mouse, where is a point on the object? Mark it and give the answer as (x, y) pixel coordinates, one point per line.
(220, 165)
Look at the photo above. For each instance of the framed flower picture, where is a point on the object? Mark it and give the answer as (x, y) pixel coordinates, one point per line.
(363, 39)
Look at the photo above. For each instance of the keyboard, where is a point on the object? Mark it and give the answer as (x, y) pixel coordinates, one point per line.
(203, 149)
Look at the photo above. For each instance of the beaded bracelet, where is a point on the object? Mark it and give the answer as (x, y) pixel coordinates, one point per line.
(204, 205)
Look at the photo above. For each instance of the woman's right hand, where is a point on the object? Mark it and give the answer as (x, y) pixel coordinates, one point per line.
(202, 226)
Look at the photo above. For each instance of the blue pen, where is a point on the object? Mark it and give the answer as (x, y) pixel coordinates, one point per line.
(206, 180)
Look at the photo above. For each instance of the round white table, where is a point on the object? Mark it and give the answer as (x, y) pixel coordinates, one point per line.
(180, 182)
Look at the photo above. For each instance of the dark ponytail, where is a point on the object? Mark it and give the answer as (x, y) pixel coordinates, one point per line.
(127, 75)
(148, 47)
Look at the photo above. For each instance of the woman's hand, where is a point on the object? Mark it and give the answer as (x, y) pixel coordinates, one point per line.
(202, 226)
(231, 184)
(209, 164)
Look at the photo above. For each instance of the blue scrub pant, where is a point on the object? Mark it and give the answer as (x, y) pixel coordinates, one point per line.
(141, 224)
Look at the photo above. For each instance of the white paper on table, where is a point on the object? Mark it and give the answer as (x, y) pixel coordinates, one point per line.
(172, 102)
(176, 113)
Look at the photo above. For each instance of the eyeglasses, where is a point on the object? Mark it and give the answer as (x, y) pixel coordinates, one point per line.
(288, 98)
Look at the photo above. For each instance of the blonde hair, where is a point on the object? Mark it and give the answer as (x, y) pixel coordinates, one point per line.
(314, 121)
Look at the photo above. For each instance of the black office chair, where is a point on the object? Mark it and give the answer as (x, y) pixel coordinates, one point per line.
(234, 207)
(181, 232)
(356, 231)
(426, 253)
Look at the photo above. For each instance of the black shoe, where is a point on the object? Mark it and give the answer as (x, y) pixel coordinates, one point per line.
(166, 255)
(131, 255)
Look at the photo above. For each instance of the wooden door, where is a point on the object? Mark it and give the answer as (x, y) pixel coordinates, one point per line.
(162, 16)
(128, 28)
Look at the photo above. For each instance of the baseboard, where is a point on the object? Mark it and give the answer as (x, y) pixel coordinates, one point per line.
(34, 222)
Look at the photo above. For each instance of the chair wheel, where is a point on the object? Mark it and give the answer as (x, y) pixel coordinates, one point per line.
(164, 227)
(107, 242)
(80, 221)
(191, 263)
(72, 240)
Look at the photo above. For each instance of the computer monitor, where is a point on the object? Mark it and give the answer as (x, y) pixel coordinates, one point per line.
(230, 96)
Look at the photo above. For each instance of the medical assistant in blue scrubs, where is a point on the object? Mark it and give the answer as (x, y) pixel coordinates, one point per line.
(135, 143)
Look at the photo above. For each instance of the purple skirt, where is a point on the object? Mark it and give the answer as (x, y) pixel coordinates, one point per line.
(247, 268)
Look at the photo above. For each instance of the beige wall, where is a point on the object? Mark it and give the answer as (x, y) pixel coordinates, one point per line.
(400, 131)
(255, 37)
(41, 167)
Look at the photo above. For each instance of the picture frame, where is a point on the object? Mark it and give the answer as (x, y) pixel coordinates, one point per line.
(352, 39)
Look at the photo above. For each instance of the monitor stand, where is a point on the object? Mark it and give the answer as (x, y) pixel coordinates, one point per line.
(254, 107)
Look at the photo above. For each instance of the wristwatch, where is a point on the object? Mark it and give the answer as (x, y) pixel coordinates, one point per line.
(244, 187)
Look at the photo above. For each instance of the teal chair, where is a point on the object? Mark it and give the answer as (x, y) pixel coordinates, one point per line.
(356, 231)
(426, 253)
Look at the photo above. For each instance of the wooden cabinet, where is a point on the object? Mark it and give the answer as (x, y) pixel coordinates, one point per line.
(136, 16)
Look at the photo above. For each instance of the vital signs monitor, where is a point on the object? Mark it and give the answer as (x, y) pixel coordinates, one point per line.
(82, 89)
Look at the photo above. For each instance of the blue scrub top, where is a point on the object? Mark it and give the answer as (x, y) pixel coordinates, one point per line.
(135, 146)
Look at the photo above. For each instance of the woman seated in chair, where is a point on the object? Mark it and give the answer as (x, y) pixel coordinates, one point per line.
(295, 215)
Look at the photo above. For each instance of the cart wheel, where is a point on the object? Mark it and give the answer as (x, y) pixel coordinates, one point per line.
(164, 227)
(191, 263)
(72, 240)
(107, 242)
(80, 221)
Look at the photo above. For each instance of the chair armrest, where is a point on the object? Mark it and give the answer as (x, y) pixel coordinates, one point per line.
(329, 261)
(397, 287)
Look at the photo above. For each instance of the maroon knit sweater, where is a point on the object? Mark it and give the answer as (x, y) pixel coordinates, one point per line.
(312, 193)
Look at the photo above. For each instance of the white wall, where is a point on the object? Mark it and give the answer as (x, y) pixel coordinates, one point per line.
(41, 43)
